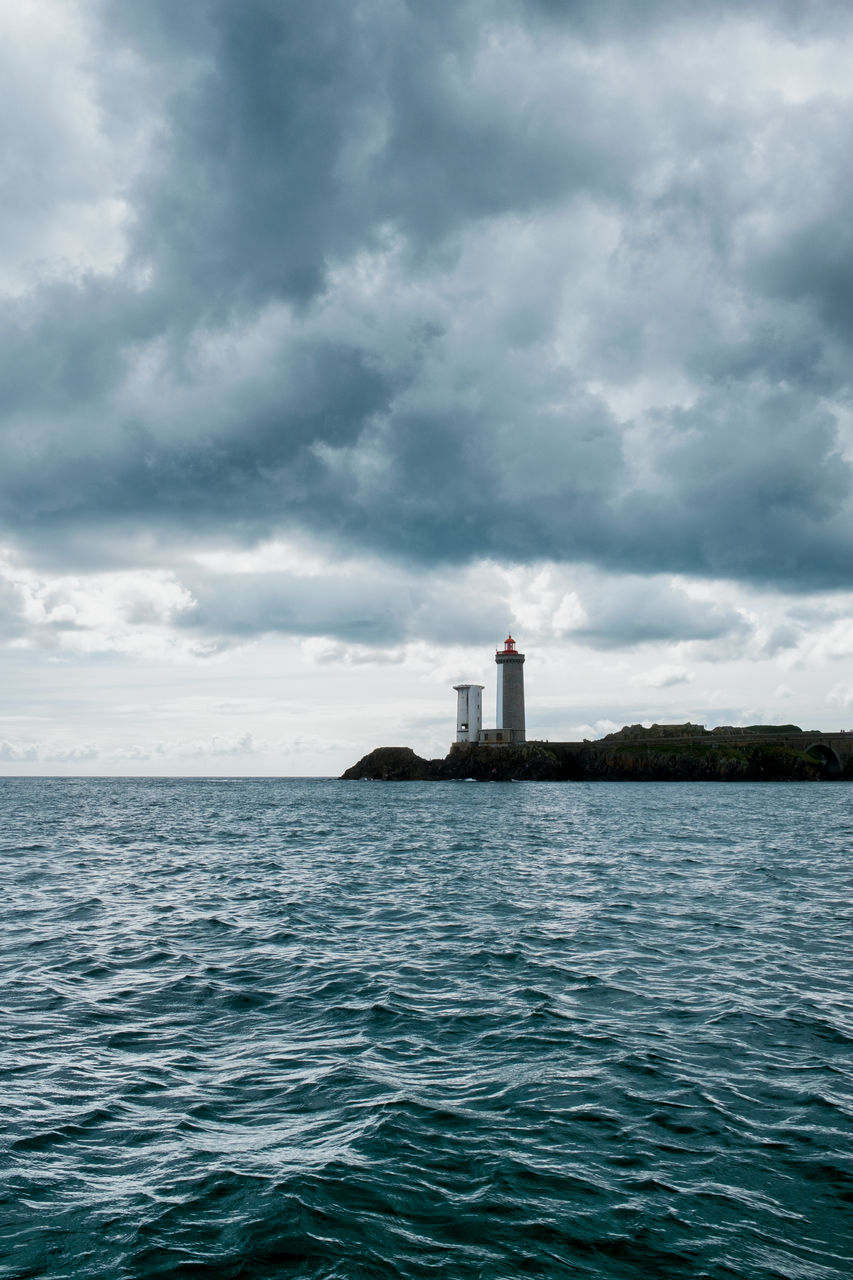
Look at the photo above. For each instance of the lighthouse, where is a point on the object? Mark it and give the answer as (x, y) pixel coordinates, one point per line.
(510, 717)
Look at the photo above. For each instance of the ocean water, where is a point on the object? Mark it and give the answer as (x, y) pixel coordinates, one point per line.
(341, 1030)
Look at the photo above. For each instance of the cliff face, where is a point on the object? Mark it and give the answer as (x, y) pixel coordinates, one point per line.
(697, 762)
(609, 760)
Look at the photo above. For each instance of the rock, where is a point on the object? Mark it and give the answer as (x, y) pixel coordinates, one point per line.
(531, 761)
(390, 764)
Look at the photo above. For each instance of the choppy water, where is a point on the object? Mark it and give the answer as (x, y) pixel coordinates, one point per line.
(323, 1029)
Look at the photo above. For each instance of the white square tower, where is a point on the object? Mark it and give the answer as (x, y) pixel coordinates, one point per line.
(469, 712)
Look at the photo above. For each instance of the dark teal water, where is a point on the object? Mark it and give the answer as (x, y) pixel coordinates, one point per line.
(324, 1029)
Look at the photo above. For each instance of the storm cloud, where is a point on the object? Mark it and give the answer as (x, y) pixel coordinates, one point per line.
(445, 282)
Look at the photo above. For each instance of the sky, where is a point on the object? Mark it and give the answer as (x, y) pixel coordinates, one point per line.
(338, 340)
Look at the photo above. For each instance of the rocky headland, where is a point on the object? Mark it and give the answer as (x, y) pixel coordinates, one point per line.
(662, 753)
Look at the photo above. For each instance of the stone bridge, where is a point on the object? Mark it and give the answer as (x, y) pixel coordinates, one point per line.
(835, 750)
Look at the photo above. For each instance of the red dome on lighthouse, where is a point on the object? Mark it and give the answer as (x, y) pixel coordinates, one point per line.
(509, 646)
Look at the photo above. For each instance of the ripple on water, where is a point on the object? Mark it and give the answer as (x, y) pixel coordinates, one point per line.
(312, 1029)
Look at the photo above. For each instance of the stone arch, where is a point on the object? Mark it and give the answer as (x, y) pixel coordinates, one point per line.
(827, 757)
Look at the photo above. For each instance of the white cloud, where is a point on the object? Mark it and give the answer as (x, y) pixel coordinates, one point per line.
(50, 753)
(840, 695)
(662, 677)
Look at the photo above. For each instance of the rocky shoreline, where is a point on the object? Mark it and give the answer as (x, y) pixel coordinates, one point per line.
(657, 757)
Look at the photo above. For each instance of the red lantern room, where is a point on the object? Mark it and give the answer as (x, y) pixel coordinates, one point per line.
(509, 646)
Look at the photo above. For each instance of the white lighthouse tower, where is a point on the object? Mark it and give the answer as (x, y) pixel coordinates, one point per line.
(469, 712)
(510, 716)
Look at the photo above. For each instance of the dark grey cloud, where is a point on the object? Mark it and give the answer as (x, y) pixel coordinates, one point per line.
(481, 279)
(627, 612)
(752, 488)
(364, 606)
(367, 606)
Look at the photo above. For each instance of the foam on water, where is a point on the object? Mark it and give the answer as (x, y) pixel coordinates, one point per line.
(319, 1029)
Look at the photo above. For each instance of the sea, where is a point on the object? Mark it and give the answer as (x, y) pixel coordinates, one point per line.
(409, 1031)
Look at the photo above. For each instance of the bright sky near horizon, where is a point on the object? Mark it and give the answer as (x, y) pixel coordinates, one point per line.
(340, 339)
